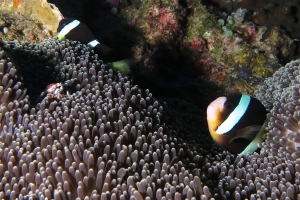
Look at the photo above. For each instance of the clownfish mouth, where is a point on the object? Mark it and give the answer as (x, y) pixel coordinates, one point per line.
(211, 112)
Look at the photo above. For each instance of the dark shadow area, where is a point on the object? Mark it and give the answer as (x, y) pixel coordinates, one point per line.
(164, 74)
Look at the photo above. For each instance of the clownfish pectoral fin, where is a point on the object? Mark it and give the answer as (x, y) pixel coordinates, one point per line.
(257, 141)
(248, 133)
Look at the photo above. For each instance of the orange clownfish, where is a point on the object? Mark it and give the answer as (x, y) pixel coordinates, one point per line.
(237, 123)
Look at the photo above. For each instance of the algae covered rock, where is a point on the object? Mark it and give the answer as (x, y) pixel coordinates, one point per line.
(28, 20)
(231, 51)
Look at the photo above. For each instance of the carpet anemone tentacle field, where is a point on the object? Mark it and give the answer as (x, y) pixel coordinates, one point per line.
(281, 94)
(106, 138)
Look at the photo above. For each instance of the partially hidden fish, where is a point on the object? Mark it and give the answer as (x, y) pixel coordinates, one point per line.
(73, 29)
(237, 123)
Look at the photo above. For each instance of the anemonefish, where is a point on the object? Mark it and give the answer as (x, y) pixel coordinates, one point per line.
(73, 29)
(237, 123)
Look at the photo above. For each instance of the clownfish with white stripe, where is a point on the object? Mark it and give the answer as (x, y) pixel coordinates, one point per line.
(73, 29)
(237, 123)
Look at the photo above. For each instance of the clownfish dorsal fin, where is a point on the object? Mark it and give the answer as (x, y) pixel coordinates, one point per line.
(248, 133)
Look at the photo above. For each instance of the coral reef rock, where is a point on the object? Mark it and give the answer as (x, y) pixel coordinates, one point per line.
(39, 10)
(214, 50)
(265, 13)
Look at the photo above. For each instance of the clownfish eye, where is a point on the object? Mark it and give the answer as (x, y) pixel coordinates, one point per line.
(229, 106)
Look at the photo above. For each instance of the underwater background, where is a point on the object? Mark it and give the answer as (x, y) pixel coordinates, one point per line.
(145, 135)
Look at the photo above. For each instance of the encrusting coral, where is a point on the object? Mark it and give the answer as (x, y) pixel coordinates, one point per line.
(108, 139)
(214, 50)
(281, 94)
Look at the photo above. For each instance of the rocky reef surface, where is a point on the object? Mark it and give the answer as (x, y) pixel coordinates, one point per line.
(230, 51)
(34, 20)
(263, 13)
(235, 54)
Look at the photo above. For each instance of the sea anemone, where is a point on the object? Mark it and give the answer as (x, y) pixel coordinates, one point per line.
(13, 102)
(280, 94)
(104, 140)
(257, 177)
(109, 139)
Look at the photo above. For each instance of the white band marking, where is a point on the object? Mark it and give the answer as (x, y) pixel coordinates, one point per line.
(235, 116)
(93, 43)
(69, 27)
